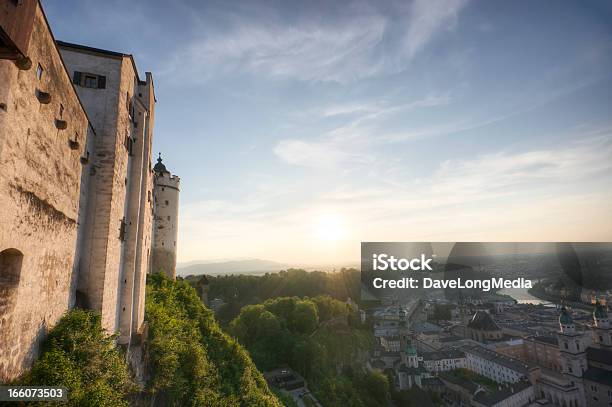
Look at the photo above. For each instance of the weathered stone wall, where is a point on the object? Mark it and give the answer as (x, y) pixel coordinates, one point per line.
(146, 95)
(165, 233)
(101, 266)
(40, 174)
(112, 269)
(137, 205)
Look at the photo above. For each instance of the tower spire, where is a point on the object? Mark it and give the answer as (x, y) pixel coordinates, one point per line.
(160, 168)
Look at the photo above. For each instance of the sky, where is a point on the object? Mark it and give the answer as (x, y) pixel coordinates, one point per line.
(300, 129)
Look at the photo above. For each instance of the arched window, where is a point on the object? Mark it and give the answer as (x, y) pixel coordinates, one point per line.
(10, 272)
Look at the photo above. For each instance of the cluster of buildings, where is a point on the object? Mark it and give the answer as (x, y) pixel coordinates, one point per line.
(497, 354)
(84, 214)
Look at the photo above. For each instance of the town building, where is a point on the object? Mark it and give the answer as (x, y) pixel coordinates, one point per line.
(482, 328)
(409, 371)
(585, 377)
(495, 366)
(543, 350)
(443, 361)
(602, 330)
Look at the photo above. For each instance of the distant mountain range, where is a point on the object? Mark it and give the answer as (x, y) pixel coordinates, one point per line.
(241, 266)
(247, 266)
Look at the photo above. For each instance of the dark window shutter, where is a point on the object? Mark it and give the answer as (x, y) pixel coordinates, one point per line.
(101, 82)
(76, 79)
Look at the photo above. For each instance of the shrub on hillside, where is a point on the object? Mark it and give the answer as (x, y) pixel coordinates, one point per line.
(79, 355)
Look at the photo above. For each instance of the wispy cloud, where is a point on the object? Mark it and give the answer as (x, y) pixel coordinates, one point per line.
(427, 18)
(504, 171)
(347, 145)
(325, 155)
(347, 49)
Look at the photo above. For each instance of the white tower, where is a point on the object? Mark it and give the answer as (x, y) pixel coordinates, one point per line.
(572, 349)
(165, 228)
(602, 333)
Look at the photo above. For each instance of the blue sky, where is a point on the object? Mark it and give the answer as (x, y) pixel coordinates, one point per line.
(300, 129)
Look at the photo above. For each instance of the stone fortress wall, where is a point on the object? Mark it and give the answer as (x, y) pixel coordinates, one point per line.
(76, 185)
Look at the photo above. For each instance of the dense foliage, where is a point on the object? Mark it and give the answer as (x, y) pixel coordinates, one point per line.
(320, 339)
(240, 290)
(192, 362)
(77, 354)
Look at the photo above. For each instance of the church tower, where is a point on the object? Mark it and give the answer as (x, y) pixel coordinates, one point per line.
(602, 333)
(165, 228)
(572, 349)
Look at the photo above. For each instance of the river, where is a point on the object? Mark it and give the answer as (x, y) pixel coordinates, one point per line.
(522, 296)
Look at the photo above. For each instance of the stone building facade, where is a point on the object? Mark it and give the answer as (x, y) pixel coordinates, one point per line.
(116, 237)
(585, 377)
(76, 185)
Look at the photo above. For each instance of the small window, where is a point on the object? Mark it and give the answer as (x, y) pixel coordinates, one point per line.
(39, 72)
(129, 144)
(10, 274)
(167, 202)
(122, 230)
(168, 217)
(90, 81)
(61, 111)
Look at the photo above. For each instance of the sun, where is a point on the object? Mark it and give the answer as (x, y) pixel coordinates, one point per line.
(329, 228)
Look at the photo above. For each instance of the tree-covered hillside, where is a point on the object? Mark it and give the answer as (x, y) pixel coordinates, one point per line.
(320, 338)
(240, 290)
(192, 362)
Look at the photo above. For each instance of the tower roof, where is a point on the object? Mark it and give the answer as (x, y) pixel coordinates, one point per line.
(599, 311)
(160, 167)
(482, 321)
(565, 318)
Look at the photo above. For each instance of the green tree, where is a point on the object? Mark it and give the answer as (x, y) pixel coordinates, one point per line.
(79, 355)
(376, 387)
(305, 317)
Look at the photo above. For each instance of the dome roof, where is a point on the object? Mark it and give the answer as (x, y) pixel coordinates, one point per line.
(160, 167)
(411, 350)
(482, 321)
(599, 312)
(565, 318)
